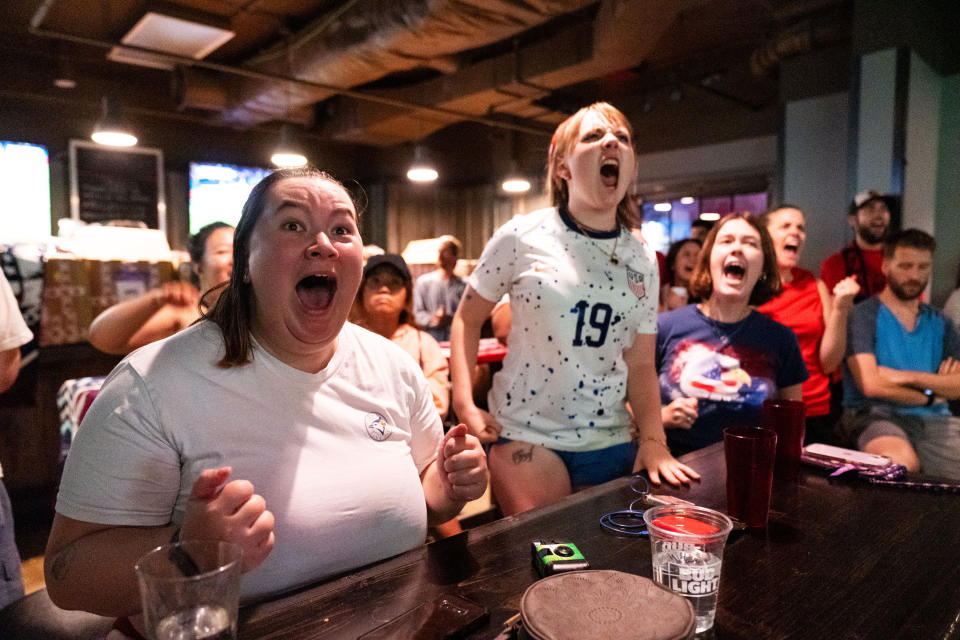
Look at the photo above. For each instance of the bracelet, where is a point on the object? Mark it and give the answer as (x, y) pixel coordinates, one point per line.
(662, 443)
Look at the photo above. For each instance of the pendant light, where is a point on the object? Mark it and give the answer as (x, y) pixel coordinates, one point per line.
(110, 129)
(515, 182)
(287, 154)
(422, 169)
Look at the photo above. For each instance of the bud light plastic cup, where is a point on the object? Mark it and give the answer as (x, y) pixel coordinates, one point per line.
(687, 545)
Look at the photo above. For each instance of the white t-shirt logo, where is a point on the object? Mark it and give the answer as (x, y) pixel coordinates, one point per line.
(635, 282)
(377, 427)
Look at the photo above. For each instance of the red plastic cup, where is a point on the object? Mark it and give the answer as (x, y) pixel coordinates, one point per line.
(750, 453)
(789, 419)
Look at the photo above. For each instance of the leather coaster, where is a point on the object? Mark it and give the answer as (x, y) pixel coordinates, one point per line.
(604, 604)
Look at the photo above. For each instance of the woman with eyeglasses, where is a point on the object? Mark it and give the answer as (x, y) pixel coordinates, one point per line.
(384, 305)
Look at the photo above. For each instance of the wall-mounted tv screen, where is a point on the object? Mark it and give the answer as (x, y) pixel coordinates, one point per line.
(24, 192)
(218, 191)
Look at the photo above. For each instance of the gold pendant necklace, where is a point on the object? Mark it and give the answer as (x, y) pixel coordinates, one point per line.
(614, 260)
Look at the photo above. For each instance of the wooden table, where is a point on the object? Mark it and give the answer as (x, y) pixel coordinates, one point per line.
(840, 559)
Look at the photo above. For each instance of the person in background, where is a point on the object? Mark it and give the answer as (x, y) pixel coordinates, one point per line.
(681, 260)
(384, 306)
(160, 313)
(699, 229)
(583, 298)
(869, 215)
(903, 364)
(951, 308)
(818, 317)
(310, 442)
(13, 335)
(437, 294)
(718, 360)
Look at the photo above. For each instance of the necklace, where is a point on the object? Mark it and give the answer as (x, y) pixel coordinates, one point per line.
(721, 329)
(583, 230)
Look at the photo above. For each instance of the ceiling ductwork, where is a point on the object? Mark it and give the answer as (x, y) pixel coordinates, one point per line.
(363, 42)
(510, 85)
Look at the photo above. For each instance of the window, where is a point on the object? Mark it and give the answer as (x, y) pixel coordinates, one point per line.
(668, 220)
(24, 192)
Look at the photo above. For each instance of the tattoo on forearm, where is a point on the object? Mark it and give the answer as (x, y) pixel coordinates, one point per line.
(61, 563)
(523, 456)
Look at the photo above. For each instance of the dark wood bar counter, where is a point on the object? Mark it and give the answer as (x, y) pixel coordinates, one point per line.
(840, 559)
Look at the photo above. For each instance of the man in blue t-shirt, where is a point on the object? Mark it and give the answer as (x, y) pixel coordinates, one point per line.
(903, 364)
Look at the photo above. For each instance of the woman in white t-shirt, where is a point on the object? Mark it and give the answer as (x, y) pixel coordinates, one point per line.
(583, 297)
(273, 402)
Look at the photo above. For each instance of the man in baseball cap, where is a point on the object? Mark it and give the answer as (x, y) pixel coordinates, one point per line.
(869, 215)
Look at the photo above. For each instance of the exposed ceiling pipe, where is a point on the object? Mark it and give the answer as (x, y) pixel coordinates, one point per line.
(797, 40)
(251, 74)
(622, 35)
(372, 39)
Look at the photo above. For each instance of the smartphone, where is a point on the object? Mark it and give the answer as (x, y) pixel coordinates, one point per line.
(839, 455)
(447, 616)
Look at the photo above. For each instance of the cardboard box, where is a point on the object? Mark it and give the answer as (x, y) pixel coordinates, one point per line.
(75, 291)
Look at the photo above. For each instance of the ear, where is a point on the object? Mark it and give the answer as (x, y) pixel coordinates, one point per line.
(563, 171)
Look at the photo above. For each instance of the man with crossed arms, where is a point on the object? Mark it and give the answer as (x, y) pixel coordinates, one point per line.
(903, 364)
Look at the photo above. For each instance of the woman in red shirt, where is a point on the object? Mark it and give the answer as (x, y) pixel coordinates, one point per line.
(817, 316)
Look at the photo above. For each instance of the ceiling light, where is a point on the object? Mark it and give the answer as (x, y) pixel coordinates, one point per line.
(515, 182)
(710, 217)
(687, 200)
(422, 170)
(188, 37)
(287, 153)
(110, 129)
(662, 207)
(65, 78)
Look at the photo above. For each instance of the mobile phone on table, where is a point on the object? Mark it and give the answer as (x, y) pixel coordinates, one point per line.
(840, 455)
(446, 617)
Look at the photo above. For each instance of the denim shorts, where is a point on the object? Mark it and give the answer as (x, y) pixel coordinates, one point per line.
(587, 468)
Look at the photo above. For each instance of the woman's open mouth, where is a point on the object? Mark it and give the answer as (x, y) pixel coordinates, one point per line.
(610, 172)
(316, 292)
(734, 272)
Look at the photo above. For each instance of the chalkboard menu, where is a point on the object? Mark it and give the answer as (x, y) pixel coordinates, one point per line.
(116, 184)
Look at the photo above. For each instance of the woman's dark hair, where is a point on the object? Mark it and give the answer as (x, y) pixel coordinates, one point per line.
(672, 253)
(768, 286)
(232, 312)
(197, 246)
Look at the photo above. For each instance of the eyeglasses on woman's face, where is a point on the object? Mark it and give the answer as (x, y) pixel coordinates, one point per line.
(388, 280)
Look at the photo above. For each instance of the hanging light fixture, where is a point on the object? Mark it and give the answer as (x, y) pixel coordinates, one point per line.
(287, 153)
(110, 129)
(515, 182)
(422, 169)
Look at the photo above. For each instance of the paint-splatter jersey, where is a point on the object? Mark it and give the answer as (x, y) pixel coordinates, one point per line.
(576, 303)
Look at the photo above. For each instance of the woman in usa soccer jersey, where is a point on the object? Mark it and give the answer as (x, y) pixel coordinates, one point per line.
(583, 295)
